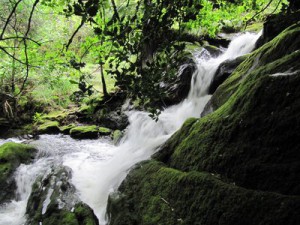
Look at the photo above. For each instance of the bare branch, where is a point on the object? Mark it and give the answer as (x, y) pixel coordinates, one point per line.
(18, 37)
(115, 9)
(259, 12)
(9, 17)
(30, 17)
(27, 67)
(75, 32)
(25, 47)
(10, 55)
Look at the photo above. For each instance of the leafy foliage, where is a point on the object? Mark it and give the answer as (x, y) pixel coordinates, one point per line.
(45, 44)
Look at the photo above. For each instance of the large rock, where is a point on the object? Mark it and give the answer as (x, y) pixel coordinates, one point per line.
(275, 24)
(48, 127)
(11, 156)
(238, 165)
(224, 71)
(109, 112)
(156, 194)
(178, 89)
(53, 201)
(66, 129)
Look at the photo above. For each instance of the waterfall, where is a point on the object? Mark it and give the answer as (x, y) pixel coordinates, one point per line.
(144, 135)
(99, 168)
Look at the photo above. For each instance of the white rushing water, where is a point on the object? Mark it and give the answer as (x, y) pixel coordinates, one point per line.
(99, 167)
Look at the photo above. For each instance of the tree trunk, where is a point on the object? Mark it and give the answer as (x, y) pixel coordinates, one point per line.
(103, 80)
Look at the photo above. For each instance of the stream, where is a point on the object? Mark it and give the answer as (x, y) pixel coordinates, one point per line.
(98, 167)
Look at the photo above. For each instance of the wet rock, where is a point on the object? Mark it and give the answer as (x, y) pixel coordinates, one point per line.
(85, 132)
(48, 127)
(11, 156)
(156, 194)
(113, 119)
(207, 109)
(212, 50)
(224, 71)
(58, 116)
(275, 24)
(238, 165)
(54, 201)
(109, 112)
(104, 131)
(178, 89)
(117, 136)
(66, 129)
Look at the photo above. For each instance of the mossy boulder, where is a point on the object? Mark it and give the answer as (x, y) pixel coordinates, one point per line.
(270, 58)
(156, 194)
(85, 132)
(11, 156)
(117, 136)
(48, 127)
(104, 131)
(53, 201)
(224, 71)
(66, 129)
(238, 165)
(55, 116)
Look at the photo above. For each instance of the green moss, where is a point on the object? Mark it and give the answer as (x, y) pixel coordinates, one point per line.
(117, 135)
(85, 215)
(255, 27)
(248, 148)
(104, 131)
(87, 109)
(66, 129)
(52, 116)
(64, 207)
(60, 217)
(168, 196)
(11, 156)
(271, 51)
(55, 115)
(240, 137)
(48, 127)
(83, 132)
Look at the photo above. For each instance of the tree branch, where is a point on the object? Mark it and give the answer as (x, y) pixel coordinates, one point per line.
(115, 9)
(259, 12)
(18, 37)
(76, 31)
(8, 18)
(30, 18)
(27, 67)
(10, 55)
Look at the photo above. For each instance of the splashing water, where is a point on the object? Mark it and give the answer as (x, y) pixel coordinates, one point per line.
(98, 168)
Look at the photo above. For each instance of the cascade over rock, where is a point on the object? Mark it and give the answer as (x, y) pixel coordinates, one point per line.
(238, 165)
(223, 72)
(11, 156)
(53, 201)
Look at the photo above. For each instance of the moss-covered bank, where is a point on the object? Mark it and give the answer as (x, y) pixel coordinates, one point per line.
(237, 165)
(11, 156)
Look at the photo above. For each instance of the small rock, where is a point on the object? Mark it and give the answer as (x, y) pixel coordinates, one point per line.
(85, 132)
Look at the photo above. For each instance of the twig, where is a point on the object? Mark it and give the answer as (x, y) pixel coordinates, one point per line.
(75, 32)
(115, 9)
(25, 45)
(10, 55)
(8, 18)
(18, 37)
(259, 12)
